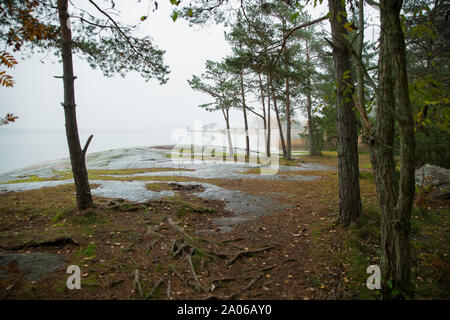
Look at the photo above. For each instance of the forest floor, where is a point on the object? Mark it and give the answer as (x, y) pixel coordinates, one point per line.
(173, 248)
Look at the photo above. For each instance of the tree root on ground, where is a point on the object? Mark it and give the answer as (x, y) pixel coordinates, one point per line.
(58, 242)
(246, 253)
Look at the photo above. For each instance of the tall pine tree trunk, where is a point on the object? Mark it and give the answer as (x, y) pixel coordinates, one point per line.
(288, 120)
(280, 127)
(77, 155)
(395, 194)
(268, 117)
(226, 116)
(312, 139)
(348, 169)
(261, 88)
(313, 147)
(244, 108)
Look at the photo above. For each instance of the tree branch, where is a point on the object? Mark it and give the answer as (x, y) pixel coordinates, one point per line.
(127, 38)
(282, 42)
(86, 146)
(373, 4)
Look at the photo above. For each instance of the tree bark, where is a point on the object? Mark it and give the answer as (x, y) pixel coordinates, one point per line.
(312, 139)
(77, 155)
(288, 120)
(268, 117)
(313, 148)
(280, 127)
(261, 88)
(359, 50)
(348, 169)
(395, 195)
(244, 108)
(226, 116)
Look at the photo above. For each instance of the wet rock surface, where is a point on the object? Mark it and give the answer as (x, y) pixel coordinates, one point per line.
(152, 157)
(32, 266)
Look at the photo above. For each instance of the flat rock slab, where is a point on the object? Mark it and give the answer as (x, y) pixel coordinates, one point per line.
(151, 157)
(34, 265)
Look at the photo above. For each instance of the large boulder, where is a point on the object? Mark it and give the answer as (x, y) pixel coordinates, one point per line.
(435, 178)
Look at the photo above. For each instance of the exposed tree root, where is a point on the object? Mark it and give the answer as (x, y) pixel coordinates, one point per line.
(168, 288)
(157, 285)
(137, 283)
(197, 284)
(58, 242)
(246, 253)
(234, 295)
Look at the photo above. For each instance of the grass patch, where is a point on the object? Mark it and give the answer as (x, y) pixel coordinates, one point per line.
(89, 251)
(158, 187)
(58, 216)
(88, 217)
(32, 178)
(183, 208)
(366, 175)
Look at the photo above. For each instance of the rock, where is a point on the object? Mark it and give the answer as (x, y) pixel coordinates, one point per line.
(442, 191)
(434, 177)
(34, 265)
